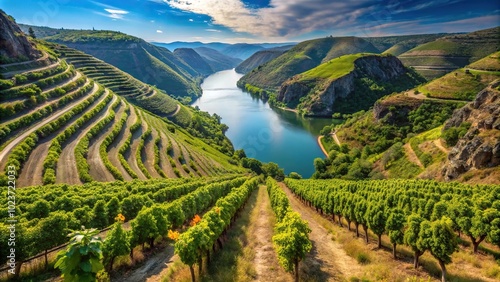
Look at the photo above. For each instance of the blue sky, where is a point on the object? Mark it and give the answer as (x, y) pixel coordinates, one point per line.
(258, 20)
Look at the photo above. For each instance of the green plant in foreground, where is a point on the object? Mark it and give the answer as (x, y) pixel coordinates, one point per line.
(81, 260)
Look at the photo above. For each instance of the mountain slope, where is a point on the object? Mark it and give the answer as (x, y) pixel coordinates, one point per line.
(397, 45)
(257, 59)
(451, 52)
(69, 129)
(148, 63)
(14, 46)
(241, 50)
(216, 59)
(194, 60)
(302, 57)
(346, 84)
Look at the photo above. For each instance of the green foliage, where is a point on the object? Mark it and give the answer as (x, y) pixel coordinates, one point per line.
(116, 244)
(144, 227)
(294, 175)
(81, 261)
(291, 240)
(452, 134)
(273, 170)
(394, 227)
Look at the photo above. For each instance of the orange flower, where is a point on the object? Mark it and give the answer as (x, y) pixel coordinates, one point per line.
(173, 235)
(217, 210)
(195, 220)
(120, 217)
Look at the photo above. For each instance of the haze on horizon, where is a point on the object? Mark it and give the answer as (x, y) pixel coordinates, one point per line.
(234, 21)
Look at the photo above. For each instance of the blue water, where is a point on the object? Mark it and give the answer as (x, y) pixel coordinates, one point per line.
(267, 134)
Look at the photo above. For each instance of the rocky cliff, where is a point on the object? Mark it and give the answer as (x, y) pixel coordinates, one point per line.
(480, 147)
(323, 93)
(14, 46)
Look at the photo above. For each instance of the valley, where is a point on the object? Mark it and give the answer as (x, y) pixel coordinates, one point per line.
(233, 152)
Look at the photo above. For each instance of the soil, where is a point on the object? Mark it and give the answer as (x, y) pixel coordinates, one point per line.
(412, 157)
(327, 260)
(153, 269)
(130, 155)
(118, 142)
(439, 144)
(67, 171)
(164, 163)
(148, 155)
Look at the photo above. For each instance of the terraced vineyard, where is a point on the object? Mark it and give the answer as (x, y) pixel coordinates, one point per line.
(72, 119)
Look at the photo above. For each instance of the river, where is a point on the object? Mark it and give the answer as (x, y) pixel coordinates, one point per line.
(265, 133)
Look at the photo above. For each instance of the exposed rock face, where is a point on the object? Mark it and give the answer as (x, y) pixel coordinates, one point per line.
(480, 147)
(325, 93)
(13, 43)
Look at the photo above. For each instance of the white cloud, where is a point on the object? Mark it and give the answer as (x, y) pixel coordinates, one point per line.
(191, 20)
(281, 17)
(212, 30)
(159, 31)
(115, 13)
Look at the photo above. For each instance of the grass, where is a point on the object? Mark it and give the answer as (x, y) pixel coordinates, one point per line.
(333, 69)
(459, 85)
(489, 63)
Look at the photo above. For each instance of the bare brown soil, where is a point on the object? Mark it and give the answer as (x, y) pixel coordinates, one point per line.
(412, 157)
(164, 163)
(67, 171)
(130, 156)
(118, 142)
(148, 155)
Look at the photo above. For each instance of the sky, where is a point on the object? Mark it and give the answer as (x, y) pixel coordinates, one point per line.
(235, 21)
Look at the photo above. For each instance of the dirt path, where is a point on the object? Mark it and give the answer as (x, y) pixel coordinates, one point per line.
(177, 153)
(32, 172)
(98, 170)
(412, 157)
(335, 138)
(176, 111)
(265, 261)
(164, 163)
(43, 57)
(130, 155)
(52, 117)
(327, 260)
(154, 268)
(439, 145)
(66, 166)
(118, 142)
(321, 146)
(148, 155)
(10, 74)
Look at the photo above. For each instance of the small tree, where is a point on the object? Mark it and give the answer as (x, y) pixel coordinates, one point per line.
(52, 231)
(438, 237)
(99, 216)
(376, 218)
(116, 243)
(31, 32)
(394, 226)
(144, 228)
(112, 209)
(291, 241)
(411, 236)
(81, 261)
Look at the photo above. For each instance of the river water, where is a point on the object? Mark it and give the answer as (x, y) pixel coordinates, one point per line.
(267, 134)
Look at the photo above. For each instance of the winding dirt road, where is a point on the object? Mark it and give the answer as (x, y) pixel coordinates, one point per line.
(412, 157)
(118, 142)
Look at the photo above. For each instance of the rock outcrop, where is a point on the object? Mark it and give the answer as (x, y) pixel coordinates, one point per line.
(480, 147)
(324, 93)
(13, 43)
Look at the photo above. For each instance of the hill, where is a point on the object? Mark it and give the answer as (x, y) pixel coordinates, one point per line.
(77, 123)
(148, 63)
(397, 45)
(241, 50)
(194, 60)
(259, 58)
(303, 57)
(346, 84)
(451, 52)
(216, 59)
(15, 45)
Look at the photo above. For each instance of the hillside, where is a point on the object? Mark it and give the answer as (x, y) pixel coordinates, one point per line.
(194, 60)
(146, 62)
(14, 46)
(346, 84)
(257, 59)
(451, 52)
(76, 123)
(397, 45)
(303, 57)
(407, 135)
(216, 59)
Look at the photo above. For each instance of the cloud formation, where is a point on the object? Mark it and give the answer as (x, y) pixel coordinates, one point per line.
(159, 31)
(115, 13)
(288, 18)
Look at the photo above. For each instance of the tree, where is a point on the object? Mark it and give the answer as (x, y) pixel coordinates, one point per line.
(112, 209)
(52, 231)
(116, 243)
(375, 217)
(294, 175)
(438, 237)
(99, 216)
(291, 241)
(482, 223)
(319, 165)
(81, 261)
(253, 164)
(273, 170)
(39, 209)
(144, 228)
(31, 32)
(394, 226)
(411, 236)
